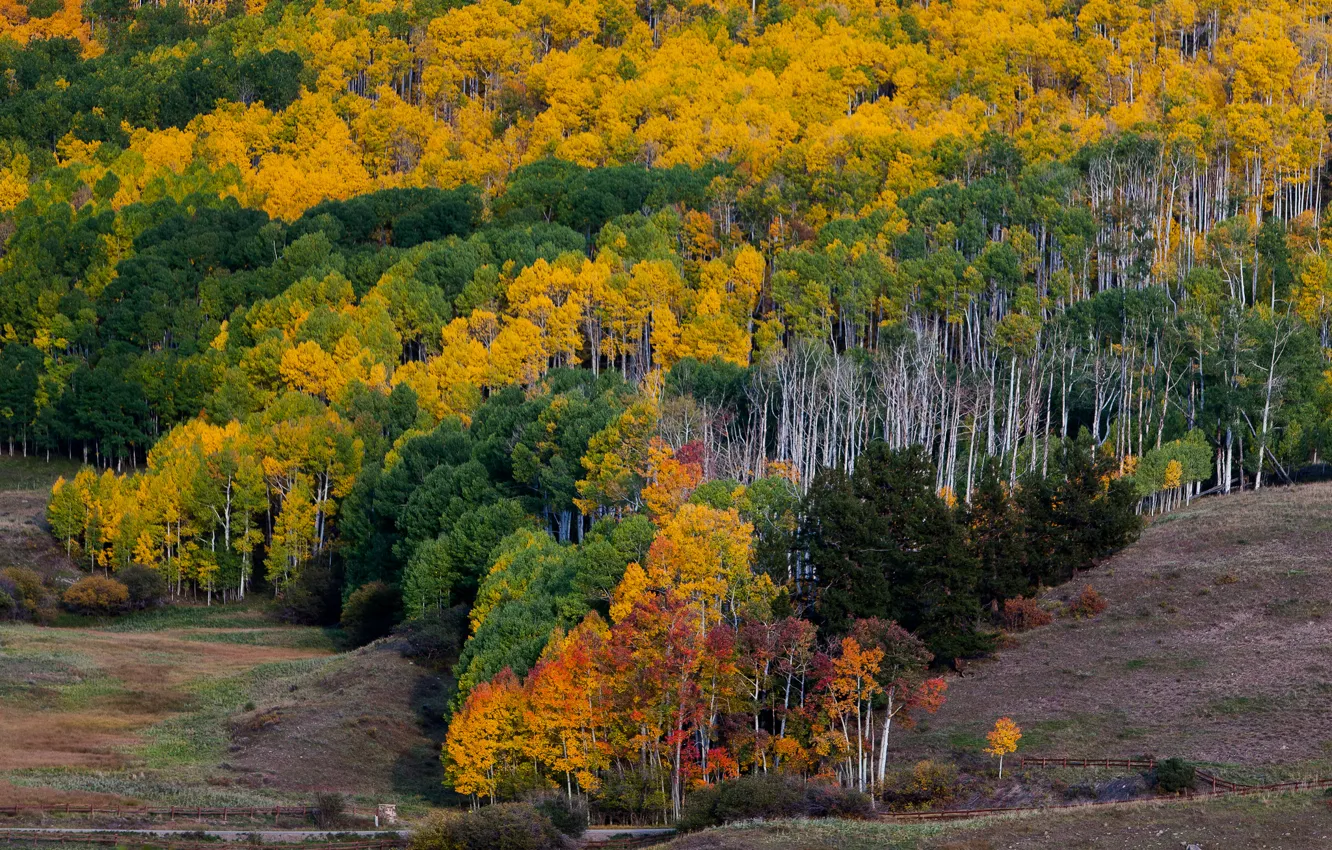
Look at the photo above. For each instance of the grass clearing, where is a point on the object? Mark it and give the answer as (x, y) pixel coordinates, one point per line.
(87, 698)
(34, 473)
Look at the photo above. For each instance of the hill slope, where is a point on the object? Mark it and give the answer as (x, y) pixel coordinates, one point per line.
(1216, 646)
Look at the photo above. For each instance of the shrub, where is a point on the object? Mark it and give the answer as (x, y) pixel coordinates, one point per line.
(147, 587)
(331, 809)
(1021, 614)
(1173, 775)
(757, 796)
(834, 801)
(96, 595)
(769, 796)
(508, 826)
(1088, 603)
(371, 612)
(435, 637)
(568, 814)
(925, 784)
(29, 598)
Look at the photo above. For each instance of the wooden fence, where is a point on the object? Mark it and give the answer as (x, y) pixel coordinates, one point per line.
(1065, 761)
(1219, 787)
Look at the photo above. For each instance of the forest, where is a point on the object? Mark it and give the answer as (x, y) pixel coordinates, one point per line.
(710, 376)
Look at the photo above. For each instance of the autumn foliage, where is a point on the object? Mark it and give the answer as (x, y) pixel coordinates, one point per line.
(1002, 739)
(695, 681)
(1088, 603)
(96, 595)
(1021, 614)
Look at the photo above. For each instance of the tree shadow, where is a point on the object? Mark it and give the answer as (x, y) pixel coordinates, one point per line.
(419, 772)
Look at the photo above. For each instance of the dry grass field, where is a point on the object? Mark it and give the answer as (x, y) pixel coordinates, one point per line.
(1217, 646)
(82, 697)
(1285, 822)
(211, 707)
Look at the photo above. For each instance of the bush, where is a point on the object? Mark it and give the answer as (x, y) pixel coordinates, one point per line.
(28, 597)
(146, 587)
(436, 637)
(769, 796)
(834, 801)
(1022, 614)
(923, 785)
(371, 612)
(331, 809)
(96, 595)
(1088, 603)
(757, 796)
(1173, 775)
(508, 826)
(568, 814)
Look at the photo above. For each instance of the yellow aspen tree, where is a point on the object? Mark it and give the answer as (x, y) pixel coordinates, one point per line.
(1003, 739)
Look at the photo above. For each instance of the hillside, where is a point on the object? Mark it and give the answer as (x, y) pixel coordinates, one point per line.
(1215, 647)
(211, 707)
(25, 538)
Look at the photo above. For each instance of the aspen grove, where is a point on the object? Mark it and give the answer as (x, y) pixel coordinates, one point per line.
(714, 371)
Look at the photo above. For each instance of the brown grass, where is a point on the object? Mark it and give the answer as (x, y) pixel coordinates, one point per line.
(1217, 646)
(20, 795)
(1286, 822)
(369, 720)
(84, 694)
(24, 540)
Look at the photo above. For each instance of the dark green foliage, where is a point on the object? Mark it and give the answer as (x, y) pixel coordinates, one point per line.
(537, 581)
(397, 217)
(508, 826)
(569, 814)
(996, 539)
(54, 91)
(370, 612)
(584, 199)
(436, 637)
(1072, 517)
(883, 544)
(314, 598)
(147, 587)
(1173, 776)
(43, 8)
(768, 796)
